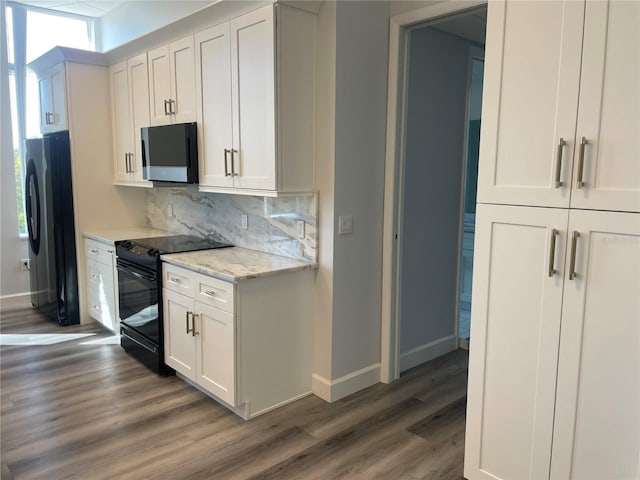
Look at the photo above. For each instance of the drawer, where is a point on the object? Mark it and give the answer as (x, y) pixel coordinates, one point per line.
(214, 292)
(101, 252)
(178, 279)
(100, 277)
(103, 309)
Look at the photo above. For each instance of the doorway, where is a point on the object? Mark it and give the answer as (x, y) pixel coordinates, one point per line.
(432, 155)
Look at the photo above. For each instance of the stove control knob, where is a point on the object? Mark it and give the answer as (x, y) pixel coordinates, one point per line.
(153, 252)
(126, 244)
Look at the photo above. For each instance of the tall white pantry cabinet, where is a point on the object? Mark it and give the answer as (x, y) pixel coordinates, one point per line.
(554, 369)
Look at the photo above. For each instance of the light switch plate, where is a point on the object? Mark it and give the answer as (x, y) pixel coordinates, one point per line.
(300, 228)
(345, 224)
(170, 210)
(245, 221)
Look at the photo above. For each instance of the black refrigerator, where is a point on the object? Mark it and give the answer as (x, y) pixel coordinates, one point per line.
(50, 222)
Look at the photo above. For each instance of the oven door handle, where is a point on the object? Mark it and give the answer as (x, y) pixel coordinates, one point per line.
(146, 347)
(144, 276)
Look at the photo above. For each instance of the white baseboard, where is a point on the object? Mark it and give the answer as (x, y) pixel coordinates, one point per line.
(332, 390)
(426, 352)
(16, 301)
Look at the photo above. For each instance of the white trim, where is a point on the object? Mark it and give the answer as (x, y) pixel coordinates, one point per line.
(428, 351)
(15, 301)
(399, 24)
(332, 390)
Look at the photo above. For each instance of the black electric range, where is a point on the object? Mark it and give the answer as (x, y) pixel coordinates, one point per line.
(140, 293)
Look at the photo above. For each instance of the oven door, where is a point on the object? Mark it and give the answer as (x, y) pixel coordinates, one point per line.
(138, 297)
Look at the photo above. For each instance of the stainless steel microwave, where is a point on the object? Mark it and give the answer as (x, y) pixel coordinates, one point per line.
(170, 153)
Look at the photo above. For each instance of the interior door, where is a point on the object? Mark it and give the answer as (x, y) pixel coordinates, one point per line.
(515, 326)
(609, 112)
(597, 426)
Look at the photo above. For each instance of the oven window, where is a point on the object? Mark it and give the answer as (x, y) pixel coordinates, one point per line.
(138, 300)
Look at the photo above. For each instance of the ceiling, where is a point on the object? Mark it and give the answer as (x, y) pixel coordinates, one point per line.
(471, 25)
(90, 8)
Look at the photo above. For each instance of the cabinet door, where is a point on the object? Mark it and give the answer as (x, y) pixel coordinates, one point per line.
(139, 108)
(597, 427)
(121, 122)
(609, 112)
(159, 85)
(179, 342)
(53, 107)
(515, 325)
(183, 81)
(530, 100)
(216, 352)
(213, 75)
(253, 96)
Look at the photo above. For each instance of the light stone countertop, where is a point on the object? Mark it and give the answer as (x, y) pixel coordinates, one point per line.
(234, 264)
(110, 235)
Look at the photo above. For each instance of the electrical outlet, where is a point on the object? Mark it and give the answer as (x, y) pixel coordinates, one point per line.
(300, 228)
(245, 221)
(170, 210)
(25, 264)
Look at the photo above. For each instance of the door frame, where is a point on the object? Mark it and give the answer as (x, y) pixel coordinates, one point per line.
(394, 174)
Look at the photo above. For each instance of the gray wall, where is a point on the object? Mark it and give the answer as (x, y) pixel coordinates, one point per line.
(432, 187)
(362, 37)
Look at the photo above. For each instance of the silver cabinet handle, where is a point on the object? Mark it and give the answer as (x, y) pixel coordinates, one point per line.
(193, 319)
(552, 252)
(166, 110)
(186, 317)
(233, 162)
(94, 276)
(226, 169)
(131, 169)
(172, 110)
(47, 118)
(561, 145)
(94, 251)
(583, 143)
(572, 263)
(109, 250)
(175, 280)
(209, 293)
(127, 158)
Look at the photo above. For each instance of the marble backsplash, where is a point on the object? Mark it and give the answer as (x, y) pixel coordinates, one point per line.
(272, 222)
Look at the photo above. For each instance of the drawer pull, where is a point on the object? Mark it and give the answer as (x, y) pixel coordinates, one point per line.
(209, 293)
(175, 280)
(96, 308)
(94, 276)
(94, 251)
(109, 251)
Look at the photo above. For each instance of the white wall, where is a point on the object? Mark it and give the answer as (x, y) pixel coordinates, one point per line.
(435, 137)
(135, 18)
(14, 283)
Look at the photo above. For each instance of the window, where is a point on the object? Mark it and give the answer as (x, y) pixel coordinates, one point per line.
(31, 32)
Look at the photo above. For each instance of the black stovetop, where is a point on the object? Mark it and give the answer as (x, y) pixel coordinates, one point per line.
(177, 243)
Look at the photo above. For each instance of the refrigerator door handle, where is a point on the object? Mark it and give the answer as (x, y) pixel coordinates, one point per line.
(33, 196)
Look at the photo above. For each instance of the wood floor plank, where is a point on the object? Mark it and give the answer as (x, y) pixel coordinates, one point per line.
(83, 411)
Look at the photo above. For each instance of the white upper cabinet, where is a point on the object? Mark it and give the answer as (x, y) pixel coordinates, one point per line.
(129, 112)
(172, 83)
(538, 105)
(606, 175)
(255, 103)
(213, 56)
(53, 104)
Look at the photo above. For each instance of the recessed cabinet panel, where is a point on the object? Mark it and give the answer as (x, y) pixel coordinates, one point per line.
(139, 106)
(216, 352)
(253, 96)
(183, 81)
(213, 74)
(609, 112)
(515, 328)
(159, 85)
(179, 339)
(600, 351)
(121, 122)
(529, 102)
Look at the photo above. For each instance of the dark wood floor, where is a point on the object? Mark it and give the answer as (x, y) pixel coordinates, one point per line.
(88, 411)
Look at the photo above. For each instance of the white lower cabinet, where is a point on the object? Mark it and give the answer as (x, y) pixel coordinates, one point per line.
(247, 344)
(102, 283)
(554, 367)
